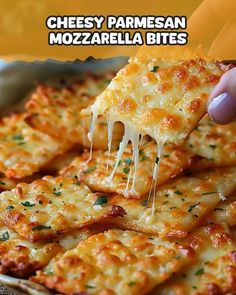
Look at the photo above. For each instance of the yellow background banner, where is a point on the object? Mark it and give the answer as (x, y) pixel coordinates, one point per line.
(24, 34)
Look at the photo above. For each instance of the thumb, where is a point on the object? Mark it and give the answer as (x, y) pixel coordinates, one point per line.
(222, 101)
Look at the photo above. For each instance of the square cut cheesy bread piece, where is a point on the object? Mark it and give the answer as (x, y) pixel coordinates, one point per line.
(53, 205)
(225, 212)
(178, 207)
(115, 262)
(163, 99)
(21, 258)
(216, 143)
(214, 269)
(57, 112)
(95, 173)
(24, 150)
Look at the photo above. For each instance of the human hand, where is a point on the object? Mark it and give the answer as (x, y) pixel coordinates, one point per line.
(222, 101)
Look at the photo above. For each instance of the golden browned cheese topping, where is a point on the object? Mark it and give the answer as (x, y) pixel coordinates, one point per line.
(24, 150)
(164, 99)
(214, 268)
(115, 262)
(58, 112)
(50, 206)
(216, 143)
(179, 206)
(21, 258)
(95, 173)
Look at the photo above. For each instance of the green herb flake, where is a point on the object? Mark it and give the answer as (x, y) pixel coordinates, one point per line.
(41, 227)
(5, 236)
(128, 161)
(10, 207)
(199, 272)
(157, 160)
(27, 204)
(130, 284)
(101, 200)
(144, 203)
(89, 287)
(154, 69)
(178, 192)
(194, 287)
(17, 137)
(143, 158)
(2, 182)
(213, 146)
(57, 194)
(209, 193)
(89, 170)
(190, 209)
(219, 209)
(126, 170)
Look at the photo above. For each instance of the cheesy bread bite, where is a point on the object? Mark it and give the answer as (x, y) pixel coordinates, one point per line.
(115, 262)
(21, 258)
(95, 173)
(163, 99)
(225, 212)
(179, 206)
(23, 150)
(57, 112)
(216, 143)
(50, 206)
(214, 269)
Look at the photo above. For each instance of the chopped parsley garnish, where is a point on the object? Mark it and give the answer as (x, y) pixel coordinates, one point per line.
(219, 209)
(157, 160)
(126, 170)
(89, 287)
(89, 170)
(128, 161)
(2, 182)
(199, 272)
(182, 199)
(41, 227)
(213, 146)
(143, 158)
(144, 203)
(76, 183)
(194, 287)
(100, 200)
(208, 193)
(5, 236)
(178, 192)
(27, 204)
(190, 209)
(130, 284)
(17, 137)
(154, 69)
(119, 163)
(57, 194)
(10, 207)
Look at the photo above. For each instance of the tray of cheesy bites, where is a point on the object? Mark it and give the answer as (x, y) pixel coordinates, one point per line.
(149, 209)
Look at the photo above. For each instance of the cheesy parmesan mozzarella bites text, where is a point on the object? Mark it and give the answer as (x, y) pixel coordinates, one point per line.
(115, 262)
(214, 268)
(162, 99)
(21, 258)
(24, 150)
(179, 206)
(95, 173)
(50, 206)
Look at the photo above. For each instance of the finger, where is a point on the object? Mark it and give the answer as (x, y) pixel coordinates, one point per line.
(222, 101)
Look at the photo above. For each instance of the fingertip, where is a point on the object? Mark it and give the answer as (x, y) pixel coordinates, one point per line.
(222, 108)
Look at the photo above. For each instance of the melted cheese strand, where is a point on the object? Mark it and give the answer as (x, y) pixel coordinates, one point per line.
(135, 147)
(155, 173)
(122, 146)
(91, 130)
(110, 125)
(129, 177)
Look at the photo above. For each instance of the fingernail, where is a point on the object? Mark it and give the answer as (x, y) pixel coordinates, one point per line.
(222, 108)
